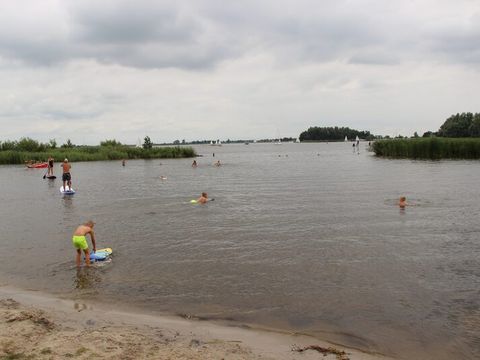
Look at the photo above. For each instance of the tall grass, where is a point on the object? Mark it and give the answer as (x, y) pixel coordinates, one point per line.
(433, 148)
(96, 153)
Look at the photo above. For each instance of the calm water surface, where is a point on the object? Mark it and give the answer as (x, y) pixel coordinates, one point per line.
(300, 236)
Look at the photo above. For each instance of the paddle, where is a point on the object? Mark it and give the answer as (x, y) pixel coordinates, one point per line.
(44, 176)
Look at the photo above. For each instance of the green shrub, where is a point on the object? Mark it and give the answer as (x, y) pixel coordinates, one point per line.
(95, 153)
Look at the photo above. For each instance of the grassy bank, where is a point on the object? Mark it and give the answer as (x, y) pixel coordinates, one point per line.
(96, 153)
(433, 148)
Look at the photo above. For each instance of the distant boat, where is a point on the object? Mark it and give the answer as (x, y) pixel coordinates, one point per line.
(217, 143)
(346, 138)
(246, 143)
(278, 140)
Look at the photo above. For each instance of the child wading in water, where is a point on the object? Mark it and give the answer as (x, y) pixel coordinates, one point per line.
(79, 241)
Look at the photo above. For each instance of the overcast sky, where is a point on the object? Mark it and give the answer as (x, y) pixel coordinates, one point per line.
(203, 69)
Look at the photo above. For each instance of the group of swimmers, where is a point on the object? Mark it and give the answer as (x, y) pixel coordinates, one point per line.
(79, 238)
(217, 163)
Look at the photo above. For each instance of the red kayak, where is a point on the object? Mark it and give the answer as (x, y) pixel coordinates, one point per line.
(38, 166)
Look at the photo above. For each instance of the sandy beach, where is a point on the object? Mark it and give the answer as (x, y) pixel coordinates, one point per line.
(38, 326)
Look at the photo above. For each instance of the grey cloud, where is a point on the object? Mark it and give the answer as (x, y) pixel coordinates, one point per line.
(458, 42)
(50, 113)
(374, 57)
(70, 115)
(145, 35)
(39, 52)
(159, 34)
(124, 22)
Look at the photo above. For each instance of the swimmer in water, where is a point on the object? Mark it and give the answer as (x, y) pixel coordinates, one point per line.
(202, 199)
(194, 164)
(402, 202)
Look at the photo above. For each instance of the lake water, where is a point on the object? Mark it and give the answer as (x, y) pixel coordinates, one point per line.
(304, 237)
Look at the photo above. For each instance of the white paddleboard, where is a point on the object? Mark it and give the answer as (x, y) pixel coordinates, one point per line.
(66, 192)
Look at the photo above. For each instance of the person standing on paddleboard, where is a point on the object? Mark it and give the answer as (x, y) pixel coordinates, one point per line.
(79, 241)
(50, 166)
(66, 177)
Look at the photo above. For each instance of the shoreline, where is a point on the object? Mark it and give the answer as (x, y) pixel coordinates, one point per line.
(59, 328)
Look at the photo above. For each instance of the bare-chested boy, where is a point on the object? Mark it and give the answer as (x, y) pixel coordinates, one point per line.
(79, 241)
(66, 177)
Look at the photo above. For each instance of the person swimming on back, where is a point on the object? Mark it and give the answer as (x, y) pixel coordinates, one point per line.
(79, 241)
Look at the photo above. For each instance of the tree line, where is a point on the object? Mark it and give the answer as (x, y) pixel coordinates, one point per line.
(459, 126)
(30, 145)
(333, 134)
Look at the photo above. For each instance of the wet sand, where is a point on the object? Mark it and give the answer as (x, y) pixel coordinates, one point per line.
(34, 325)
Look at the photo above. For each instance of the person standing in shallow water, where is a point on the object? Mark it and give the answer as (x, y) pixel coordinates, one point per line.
(79, 241)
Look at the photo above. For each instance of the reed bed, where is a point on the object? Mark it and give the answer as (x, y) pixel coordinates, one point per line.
(96, 153)
(433, 148)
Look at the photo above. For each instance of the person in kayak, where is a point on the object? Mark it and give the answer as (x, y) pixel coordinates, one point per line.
(66, 177)
(79, 241)
(50, 166)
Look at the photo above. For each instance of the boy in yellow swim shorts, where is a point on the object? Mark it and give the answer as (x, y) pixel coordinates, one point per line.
(79, 241)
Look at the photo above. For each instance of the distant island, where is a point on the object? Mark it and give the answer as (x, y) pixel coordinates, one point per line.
(334, 134)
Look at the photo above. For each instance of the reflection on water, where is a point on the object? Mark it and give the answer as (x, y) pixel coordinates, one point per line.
(89, 280)
(300, 236)
(86, 278)
(67, 201)
(51, 183)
